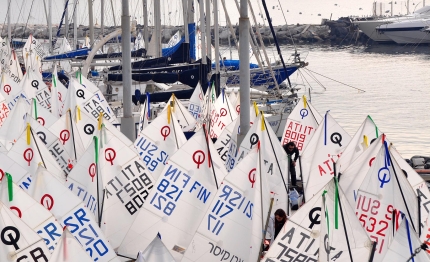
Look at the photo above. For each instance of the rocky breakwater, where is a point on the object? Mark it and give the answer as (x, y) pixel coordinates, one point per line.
(339, 32)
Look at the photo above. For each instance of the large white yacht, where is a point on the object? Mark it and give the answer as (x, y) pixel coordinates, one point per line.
(407, 32)
(369, 27)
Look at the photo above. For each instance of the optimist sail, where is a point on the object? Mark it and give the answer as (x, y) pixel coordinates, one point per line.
(31, 212)
(68, 249)
(71, 213)
(185, 119)
(274, 163)
(9, 165)
(161, 139)
(180, 198)
(232, 228)
(4, 110)
(156, 251)
(404, 244)
(384, 194)
(366, 133)
(301, 124)
(14, 125)
(221, 114)
(29, 152)
(58, 94)
(127, 184)
(195, 105)
(18, 240)
(9, 88)
(320, 231)
(323, 150)
(145, 113)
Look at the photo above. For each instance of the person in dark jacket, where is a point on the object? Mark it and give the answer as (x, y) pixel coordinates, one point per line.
(291, 149)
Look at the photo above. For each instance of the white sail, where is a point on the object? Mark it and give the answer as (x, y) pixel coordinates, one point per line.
(156, 251)
(31, 212)
(274, 163)
(4, 110)
(12, 67)
(184, 118)
(139, 42)
(71, 212)
(18, 240)
(9, 165)
(97, 103)
(30, 152)
(179, 199)
(365, 134)
(9, 88)
(322, 151)
(305, 234)
(341, 229)
(14, 125)
(383, 195)
(404, 244)
(144, 115)
(301, 124)
(58, 94)
(233, 225)
(34, 87)
(221, 114)
(54, 145)
(68, 249)
(127, 184)
(196, 102)
(159, 140)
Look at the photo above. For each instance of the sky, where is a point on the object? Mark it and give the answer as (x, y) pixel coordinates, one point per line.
(295, 11)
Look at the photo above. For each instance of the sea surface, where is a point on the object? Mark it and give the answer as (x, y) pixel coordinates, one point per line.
(396, 89)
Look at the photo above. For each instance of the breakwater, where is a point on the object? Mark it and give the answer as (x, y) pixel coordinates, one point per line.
(339, 32)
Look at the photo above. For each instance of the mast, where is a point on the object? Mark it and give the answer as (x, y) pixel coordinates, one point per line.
(66, 17)
(157, 21)
(50, 25)
(216, 36)
(75, 25)
(208, 29)
(145, 24)
(127, 122)
(9, 26)
(203, 31)
(185, 14)
(244, 70)
(102, 17)
(91, 21)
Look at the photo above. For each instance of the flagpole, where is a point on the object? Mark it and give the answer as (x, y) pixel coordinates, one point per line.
(261, 197)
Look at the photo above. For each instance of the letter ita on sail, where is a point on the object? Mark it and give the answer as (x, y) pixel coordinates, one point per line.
(180, 198)
(301, 124)
(324, 229)
(323, 150)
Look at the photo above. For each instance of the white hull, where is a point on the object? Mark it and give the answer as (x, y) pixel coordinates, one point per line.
(368, 27)
(409, 37)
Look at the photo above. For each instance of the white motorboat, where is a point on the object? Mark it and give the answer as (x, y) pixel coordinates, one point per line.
(369, 26)
(407, 32)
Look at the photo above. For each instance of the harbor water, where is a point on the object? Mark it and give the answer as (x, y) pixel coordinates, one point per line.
(396, 81)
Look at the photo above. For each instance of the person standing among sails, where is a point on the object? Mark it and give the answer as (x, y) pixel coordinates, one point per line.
(291, 149)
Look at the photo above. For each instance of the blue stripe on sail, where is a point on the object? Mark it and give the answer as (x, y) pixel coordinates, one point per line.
(192, 34)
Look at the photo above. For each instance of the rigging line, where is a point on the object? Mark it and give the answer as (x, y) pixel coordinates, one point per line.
(37, 146)
(5, 18)
(210, 154)
(361, 90)
(28, 18)
(315, 79)
(304, 78)
(288, 29)
(73, 134)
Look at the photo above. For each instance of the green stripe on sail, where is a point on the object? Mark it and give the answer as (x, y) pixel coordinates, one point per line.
(336, 204)
(327, 219)
(35, 107)
(376, 128)
(96, 148)
(54, 80)
(9, 186)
